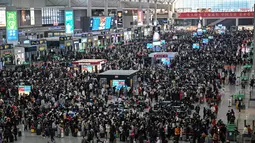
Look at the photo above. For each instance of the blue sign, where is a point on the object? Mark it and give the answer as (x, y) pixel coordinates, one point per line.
(196, 46)
(205, 40)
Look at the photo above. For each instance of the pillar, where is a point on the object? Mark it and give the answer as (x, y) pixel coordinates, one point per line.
(172, 11)
(169, 13)
(10, 3)
(120, 7)
(204, 22)
(89, 11)
(105, 7)
(69, 3)
(237, 21)
(155, 14)
(148, 14)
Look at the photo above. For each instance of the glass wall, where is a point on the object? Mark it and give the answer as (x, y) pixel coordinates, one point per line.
(214, 5)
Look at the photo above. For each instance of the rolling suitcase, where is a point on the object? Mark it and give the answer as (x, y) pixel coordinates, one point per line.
(11, 139)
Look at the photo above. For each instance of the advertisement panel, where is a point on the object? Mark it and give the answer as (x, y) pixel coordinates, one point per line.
(69, 24)
(2, 18)
(11, 26)
(100, 23)
(184, 15)
(140, 18)
(119, 19)
(25, 18)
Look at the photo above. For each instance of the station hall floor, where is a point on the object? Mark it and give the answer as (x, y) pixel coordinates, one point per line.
(248, 114)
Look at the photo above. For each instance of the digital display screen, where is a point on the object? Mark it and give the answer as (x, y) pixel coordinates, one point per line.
(42, 48)
(210, 37)
(26, 42)
(196, 46)
(205, 40)
(199, 31)
(68, 44)
(120, 19)
(25, 18)
(100, 23)
(220, 29)
(118, 84)
(69, 24)
(163, 42)
(140, 18)
(87, 68)
(2, 18)
(157, 43)
(165, 61)
(11, 26)
(43, 42)
(194, 34)
(34, 42)
(24, 90)
(62, 46)
(156, 36)
(149, 45)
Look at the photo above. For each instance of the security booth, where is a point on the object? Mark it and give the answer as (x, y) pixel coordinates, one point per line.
(19, 53)
(119, 78)
(7, 54)
(89, 65)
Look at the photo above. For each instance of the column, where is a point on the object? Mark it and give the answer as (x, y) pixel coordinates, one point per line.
(155, 14)
(172, 11)
(169, 13)
(105, 7)
(120, 8)
(10, 3)
(89, 11)
(69, 3)
(237, 21)
(204, 22)
(148, 14)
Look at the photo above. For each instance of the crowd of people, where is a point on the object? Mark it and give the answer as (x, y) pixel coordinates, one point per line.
(63, 98)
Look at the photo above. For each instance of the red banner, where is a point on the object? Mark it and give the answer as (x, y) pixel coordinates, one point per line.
(215, 15)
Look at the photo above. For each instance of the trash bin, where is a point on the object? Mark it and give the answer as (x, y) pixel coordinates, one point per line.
(231, 135)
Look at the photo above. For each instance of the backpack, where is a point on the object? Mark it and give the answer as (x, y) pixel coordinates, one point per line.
(177, 131)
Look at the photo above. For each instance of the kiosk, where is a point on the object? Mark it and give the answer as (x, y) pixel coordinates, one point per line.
(90, 65)
(119, 78)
